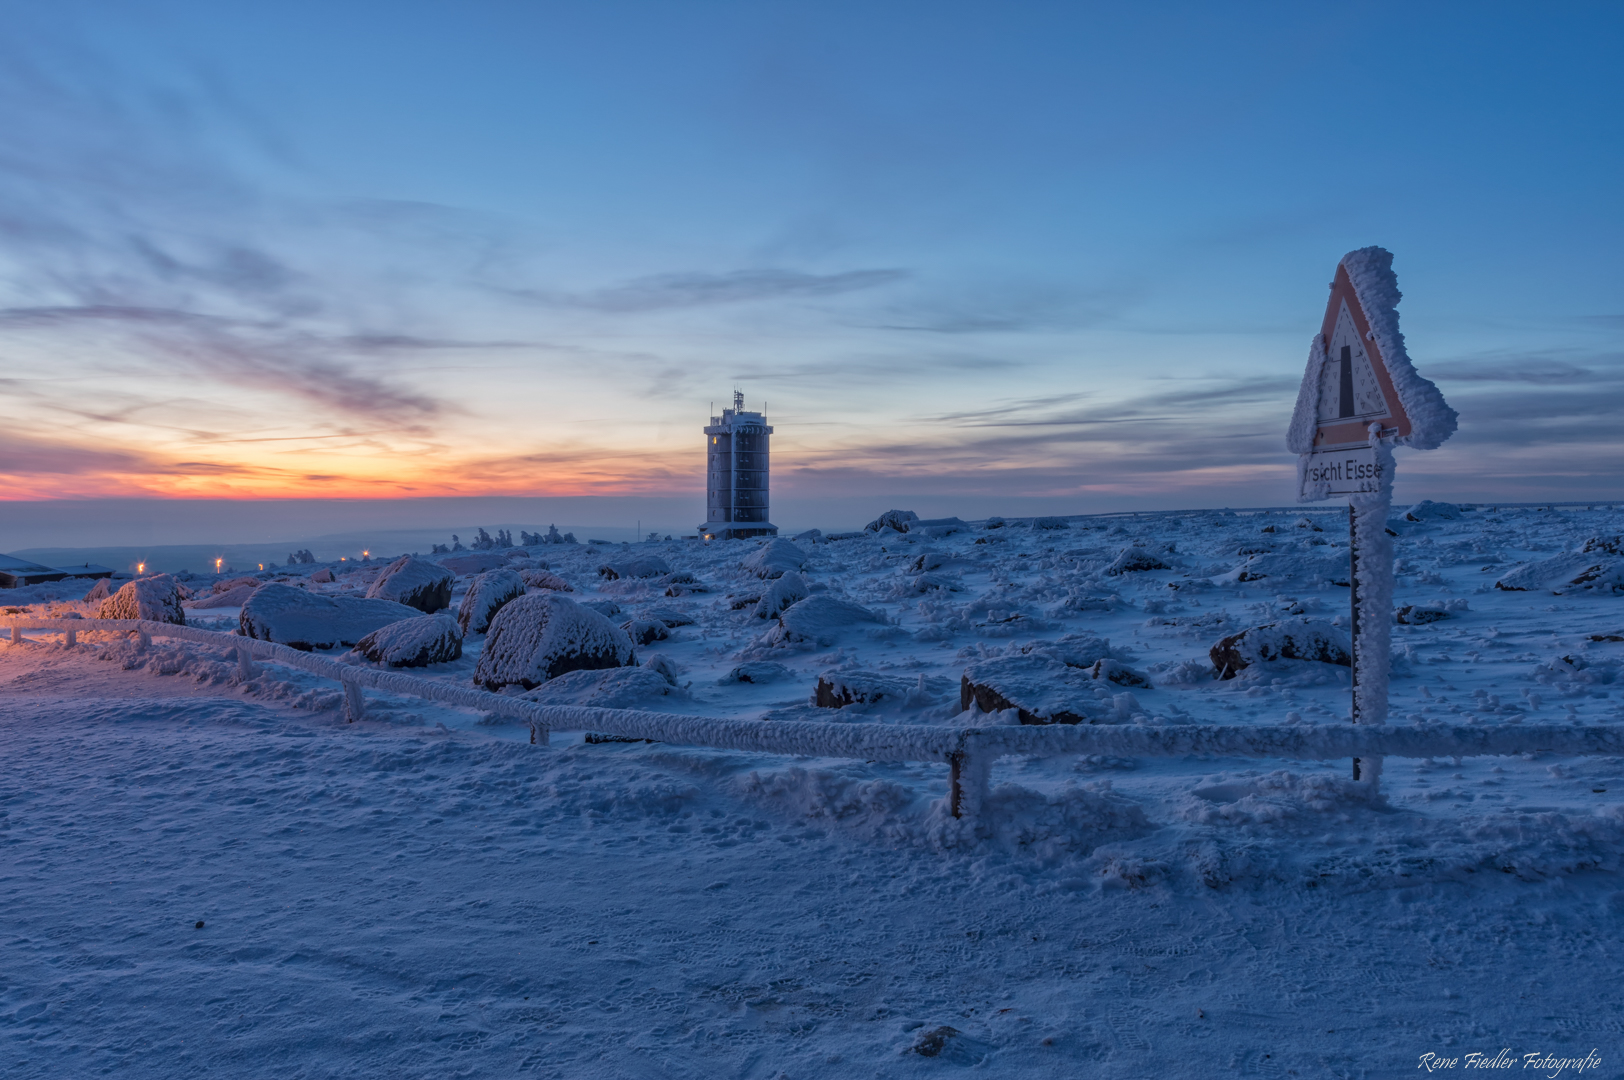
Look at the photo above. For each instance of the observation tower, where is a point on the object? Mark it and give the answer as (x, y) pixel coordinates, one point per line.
(736, 474)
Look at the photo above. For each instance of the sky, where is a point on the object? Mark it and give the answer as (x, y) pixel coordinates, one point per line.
(1058, 258)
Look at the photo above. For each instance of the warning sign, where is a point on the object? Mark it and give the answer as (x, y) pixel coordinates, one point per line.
(1355, 389)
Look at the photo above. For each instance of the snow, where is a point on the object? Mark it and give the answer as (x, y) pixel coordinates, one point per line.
(1194, 883)
(544, 635)
(414, 643)
(485, 596)
(292, 616)
(775, 558)
(156, 598)
(416, 583)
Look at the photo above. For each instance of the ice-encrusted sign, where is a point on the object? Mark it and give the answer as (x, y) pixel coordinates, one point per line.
(1360, 387)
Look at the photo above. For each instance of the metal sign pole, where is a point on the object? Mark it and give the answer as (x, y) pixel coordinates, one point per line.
(1353, 590)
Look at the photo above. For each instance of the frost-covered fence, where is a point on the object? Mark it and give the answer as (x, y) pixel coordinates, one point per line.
(969, 751)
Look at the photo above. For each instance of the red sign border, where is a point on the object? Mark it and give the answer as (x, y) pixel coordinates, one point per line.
(1329, 435)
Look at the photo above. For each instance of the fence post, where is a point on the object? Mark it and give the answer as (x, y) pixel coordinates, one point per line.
(539, 734)
(971, 770)
(16, 635)
(144, 637)
(354, 705)
(245, 661)
(72, 638)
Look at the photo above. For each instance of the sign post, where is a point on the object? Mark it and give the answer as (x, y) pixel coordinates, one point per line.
(1361, 397)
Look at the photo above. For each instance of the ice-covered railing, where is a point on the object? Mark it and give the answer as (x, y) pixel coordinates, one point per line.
(969, 751)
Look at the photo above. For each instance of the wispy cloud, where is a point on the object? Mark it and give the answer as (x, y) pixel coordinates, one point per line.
(662, 292)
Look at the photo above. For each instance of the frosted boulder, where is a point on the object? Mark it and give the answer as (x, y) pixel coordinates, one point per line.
(1135, 560)
(616, 688)
(475, 563)
(1281, 567)
(306, 620)
(1050, 523)
(155, 598)
(900, 520)
(820, 619)
(1427, 510)
(414, 642)
(103, 588)
(1040, 689)
(785, 591)
(234, 583)
(774, 559)
(543, 579)
(415, 583)
(645, 631)
(838, 689)
(485, 597)
(757, 671)
(324, 576)
(638, 566)
(1288, 639)
(542, 636)
(1082, 649)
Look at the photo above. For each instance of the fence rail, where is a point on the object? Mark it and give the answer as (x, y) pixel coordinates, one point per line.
(968, 751)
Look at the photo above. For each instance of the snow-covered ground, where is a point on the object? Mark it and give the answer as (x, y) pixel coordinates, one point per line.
(424, 893)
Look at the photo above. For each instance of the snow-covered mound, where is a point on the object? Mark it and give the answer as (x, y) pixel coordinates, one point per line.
(103, 588)
(820, 619)
(774, 559)
(416, 583)
(304, 620)
(1289, 569)
(233, 597)
(543, 579)
(414, 642)
(615, 688)
(1427, 510)
(1594, 570)
(838, 689)
(638, 566)
(1300, 638)
(780, 595)
(542, 636)
(476, 562)
(1040, 689)
(157, 598)
(900, 520)
(1133, 560)
(485, 597)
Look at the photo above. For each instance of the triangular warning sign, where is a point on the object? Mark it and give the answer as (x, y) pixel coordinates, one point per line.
(1354, 387)
(1359, 375)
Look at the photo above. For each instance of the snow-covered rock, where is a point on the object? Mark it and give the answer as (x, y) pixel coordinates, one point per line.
(1041, 690)
(234, 583)
(541, 636)
(616, 688)
(156, 598)
(103, 588)
(1427, 510)
(1298, 638)
(1050, 523)
(476, 562)
(781, 594)
(414, 642)
(1291, 568)
(485, 596)
(645, 631)
(1083, 649)
(543, 579)
(324, 576)
(1592, 570)
(757, 671)
(774, 559)
(1133, 560)
(638, 566)
(838, 689)
(236, 597)
(306, 620)
(820, 619)
(415, 583)
(900, 520)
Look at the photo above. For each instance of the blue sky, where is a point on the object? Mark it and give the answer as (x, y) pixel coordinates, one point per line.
(1068, 256)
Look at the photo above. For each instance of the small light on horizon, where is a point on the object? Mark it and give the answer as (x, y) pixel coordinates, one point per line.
(140, 568)
(217, 563)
